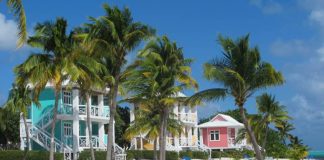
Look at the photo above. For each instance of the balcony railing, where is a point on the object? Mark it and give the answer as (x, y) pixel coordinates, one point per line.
(239, 144)
(184, 141)
(188, 117)
(95, 111)
(84, 142)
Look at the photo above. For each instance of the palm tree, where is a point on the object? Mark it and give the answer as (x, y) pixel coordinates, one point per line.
(284, 127)
(116, 35)
(86, 71)
(160, 73)
(271, 112)
(19, 100)
(147, 121)
(51, 66)
(242, 73)
(18, 10)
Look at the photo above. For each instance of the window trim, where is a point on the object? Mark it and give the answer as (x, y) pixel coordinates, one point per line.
(210, 135)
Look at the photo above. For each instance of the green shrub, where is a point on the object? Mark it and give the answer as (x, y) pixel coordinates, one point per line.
(32, 155)
(236, 154)
(99, 155)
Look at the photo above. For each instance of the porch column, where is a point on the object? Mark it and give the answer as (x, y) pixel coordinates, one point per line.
(76, 128)
(194, 114)
(195, 134)
(176, 112)
(201, 140)
(189, 136)
(100, 105)
(101, 134)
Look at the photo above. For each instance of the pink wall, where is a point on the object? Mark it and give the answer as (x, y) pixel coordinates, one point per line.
(214, 144)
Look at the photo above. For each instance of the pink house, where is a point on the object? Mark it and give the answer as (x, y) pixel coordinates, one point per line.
(220, 133)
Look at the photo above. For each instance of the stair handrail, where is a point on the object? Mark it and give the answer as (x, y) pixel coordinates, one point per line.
(47, 114)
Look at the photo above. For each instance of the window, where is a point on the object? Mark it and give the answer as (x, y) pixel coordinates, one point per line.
(106, 101)
(94, 100)
(214, 135)
(67, 97)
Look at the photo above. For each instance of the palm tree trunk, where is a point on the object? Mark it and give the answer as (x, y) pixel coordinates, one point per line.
(89, 126)
(57, 93)
(161, 136)
(27, 137)
(265, 140)
(250, 133)
(111, 136)
(155, 149)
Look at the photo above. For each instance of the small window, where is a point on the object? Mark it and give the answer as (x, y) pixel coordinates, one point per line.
(82, 100)
(106, 101)
(94, 100)
(67, 97)
(214, 135)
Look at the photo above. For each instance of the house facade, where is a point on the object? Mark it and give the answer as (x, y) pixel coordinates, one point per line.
(220, 133)
(71, 131)
(186, 140)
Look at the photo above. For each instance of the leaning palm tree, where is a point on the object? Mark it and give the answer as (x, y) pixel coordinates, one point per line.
(18, 101)
(86, 74)
(241, 72)
(52, 65)
(271, 113)
(147, 122)
(18, 10)
(160, 73)
(115, 35)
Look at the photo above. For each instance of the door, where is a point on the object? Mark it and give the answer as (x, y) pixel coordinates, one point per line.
(67, 133)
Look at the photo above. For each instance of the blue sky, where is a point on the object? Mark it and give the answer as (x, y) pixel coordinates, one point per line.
(289, 34)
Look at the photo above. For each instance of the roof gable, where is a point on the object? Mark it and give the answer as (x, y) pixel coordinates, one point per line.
(221, 120)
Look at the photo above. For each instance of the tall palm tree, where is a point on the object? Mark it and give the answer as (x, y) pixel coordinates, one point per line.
(242, 73)
(116, 35)
(147, 121)
(18, 101)
(52, 65)
(18, 10)
(271, 112)
(86, 74)
(160, 73)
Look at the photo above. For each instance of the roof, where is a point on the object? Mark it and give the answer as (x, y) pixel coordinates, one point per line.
(227, 122)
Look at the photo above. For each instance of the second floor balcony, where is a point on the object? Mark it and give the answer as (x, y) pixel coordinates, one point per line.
(188, 118)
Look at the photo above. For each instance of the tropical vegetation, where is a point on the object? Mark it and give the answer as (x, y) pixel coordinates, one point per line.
(95, 57)
(241, 72)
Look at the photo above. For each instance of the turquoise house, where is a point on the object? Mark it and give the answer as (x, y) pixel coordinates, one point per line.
(71, 131)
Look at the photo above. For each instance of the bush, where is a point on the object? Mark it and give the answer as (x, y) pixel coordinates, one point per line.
(86, 155)
(194, 154)
(236, 154)
(32, 155)
(146, 154)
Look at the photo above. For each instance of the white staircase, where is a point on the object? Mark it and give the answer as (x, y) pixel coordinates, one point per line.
(46, 119)
(43, 138)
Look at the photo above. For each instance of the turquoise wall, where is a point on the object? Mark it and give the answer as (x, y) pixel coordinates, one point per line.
(46, 100)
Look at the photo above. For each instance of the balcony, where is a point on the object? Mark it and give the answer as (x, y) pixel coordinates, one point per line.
(95, 111)
(231, 143)
(85, 143)
(188, 118)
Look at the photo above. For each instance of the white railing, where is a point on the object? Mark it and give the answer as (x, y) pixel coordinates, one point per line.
(95, 111)
(188, 117)
(188, 141)
(203, 147)
(84, 142)
(44, 139)
(46, 119)
(239, 144)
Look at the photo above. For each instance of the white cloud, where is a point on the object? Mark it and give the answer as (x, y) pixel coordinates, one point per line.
(8, 33)
(305, 111)
(290, 47)
(267, 7)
